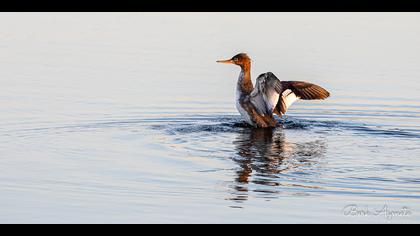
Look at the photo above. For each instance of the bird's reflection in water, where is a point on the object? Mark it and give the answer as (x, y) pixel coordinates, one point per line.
(263, 155)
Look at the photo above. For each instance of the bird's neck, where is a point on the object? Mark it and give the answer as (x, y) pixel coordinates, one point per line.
(244, 82)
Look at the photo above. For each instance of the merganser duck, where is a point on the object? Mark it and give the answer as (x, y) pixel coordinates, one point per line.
(257, 105)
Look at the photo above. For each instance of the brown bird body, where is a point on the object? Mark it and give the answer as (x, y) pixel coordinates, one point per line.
(270, 96)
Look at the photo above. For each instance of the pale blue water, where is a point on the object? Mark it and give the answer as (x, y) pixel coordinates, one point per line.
(126, 118)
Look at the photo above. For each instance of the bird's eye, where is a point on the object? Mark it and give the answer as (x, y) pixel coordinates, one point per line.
(235, 59)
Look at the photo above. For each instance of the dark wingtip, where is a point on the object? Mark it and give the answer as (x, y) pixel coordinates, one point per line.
(308, 91)
(270, 74)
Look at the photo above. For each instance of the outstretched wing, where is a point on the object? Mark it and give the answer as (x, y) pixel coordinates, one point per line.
(271, 95)
(295, 90)
(266, 93)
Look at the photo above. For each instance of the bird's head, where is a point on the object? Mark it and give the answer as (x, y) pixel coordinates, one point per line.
(242, 59)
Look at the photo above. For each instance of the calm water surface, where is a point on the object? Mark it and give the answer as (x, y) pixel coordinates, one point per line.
(126, 118)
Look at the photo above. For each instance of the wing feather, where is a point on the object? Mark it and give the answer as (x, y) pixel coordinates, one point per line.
(306, 91)
(295, 90)
(266, 93)
(271, 95)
